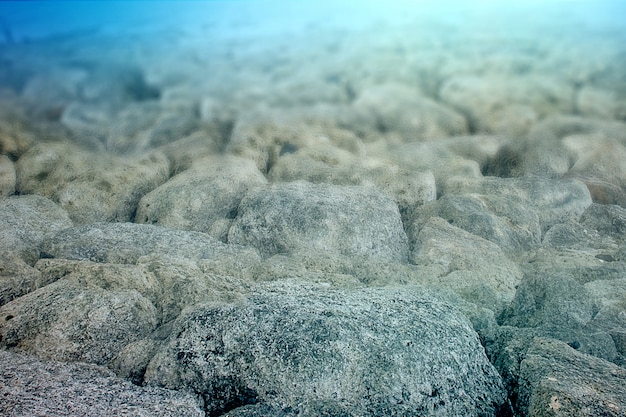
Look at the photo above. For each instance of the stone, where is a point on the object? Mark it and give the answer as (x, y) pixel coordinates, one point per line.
(7, 176)
(556, 380)
(506, 105)
(32, 387)
(204, 198)
(401, 110)
(606, 219)
(465, 263)
(597, 102)
(185, 282)
(25, 220)
(603, 170)
(445, 158)
(352, 221)
(332, 165)
(16, 277)
(506, 220)
(554, 201)
(126, 242)
(92, 187)
(384, 351)
(89, 314)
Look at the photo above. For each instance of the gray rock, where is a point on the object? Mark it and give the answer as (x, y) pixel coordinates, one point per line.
(91, 187)
(557, 380)
(506, 220)
(554, 201)
(88, 314)
(32, 387)
(16, 277)
(352, 221)
(603, 170)
(203, 198)
(402, 110)
(393, 351)
(605, 219)
(506, 105)
(7, 176)
(555, 301)
(332, 165)
(445, 158)
(184, 282)
(25, 220)
(465, 263)
(127, 242)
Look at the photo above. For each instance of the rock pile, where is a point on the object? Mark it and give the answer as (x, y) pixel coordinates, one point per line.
(400, 227)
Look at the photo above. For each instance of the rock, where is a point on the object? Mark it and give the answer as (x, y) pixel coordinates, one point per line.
(548, 151)
(597, 102)
(557, 380)
(608, 220)
(603, 170)
(465, 263)
(505, 220)
(506, 105)
(25, 220)
(32, 387)
(126, 242)
(7, 176)
(445, 158)
(16, 277)
(89, 314)
(184, 282)
(351, 221)
(392, 351)
(553, 299)
(203, 198)
(402, 110)
(328, 164)
(554, 201)
(15, 136)
(91, 187)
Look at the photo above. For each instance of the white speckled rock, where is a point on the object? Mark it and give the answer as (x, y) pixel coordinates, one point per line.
(353, 221)
(203, 198)
(92, 187)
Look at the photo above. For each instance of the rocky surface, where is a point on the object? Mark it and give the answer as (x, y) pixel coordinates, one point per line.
(394, 351)
(418, 218)
(32, 387)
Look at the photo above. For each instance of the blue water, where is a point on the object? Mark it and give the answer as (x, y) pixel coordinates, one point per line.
(29, 20)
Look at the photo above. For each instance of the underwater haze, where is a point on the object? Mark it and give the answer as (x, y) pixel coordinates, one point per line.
(301, 208)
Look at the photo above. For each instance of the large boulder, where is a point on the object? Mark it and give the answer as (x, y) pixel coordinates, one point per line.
(203, 198)
(370, 352)
(88, 314)
(509, 221)
(127, 242)
(465, 263)
(554, 201)
(35, 388)
(7, 176)
(92, 187)
(556, 380)
(24, 222)
(299, 216)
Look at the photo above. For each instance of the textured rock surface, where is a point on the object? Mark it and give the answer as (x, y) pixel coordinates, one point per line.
(90, 187)
(362, 352)
(127, 242)
(7, 176)
(32, 387)
(204, 198)
(25, 221)
(556, 380)
(464, 262)
(88, 314)
(355, 221)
